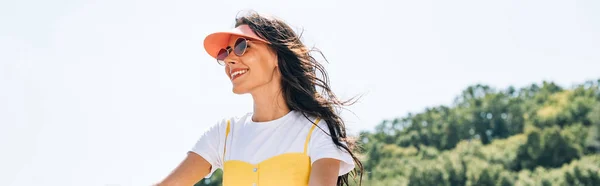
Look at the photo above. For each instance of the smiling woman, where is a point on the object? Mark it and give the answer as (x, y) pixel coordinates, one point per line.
(294, 136)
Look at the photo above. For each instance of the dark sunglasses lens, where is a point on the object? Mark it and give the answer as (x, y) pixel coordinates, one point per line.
(240, 46)
(222, 55)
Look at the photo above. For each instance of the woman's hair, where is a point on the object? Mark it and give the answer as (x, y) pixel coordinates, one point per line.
(299, 80)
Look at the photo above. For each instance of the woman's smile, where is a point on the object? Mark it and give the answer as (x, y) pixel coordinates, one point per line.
(235, 73)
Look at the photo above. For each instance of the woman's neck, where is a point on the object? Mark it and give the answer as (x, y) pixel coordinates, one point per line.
(269, 104)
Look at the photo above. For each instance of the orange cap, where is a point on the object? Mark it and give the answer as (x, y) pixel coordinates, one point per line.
(218, 40)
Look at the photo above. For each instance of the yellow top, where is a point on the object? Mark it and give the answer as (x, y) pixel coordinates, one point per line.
(288, 169)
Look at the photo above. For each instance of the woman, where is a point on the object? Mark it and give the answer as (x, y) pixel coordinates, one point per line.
(277, 143)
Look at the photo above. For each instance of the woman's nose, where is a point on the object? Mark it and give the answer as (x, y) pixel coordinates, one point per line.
(231, 59)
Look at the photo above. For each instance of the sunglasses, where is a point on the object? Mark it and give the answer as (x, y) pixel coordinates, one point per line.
(239, 48)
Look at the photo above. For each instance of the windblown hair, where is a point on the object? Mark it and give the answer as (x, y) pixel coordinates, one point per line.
(299, 81)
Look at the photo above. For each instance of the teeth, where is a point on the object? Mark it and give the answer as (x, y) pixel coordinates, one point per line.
(237, 73)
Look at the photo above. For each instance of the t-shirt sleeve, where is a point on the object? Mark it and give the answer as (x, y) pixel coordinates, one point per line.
(321, 146)
(211, 144)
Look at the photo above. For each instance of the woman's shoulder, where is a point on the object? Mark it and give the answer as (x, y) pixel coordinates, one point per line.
(222, 122)
(310, 121)
(233, 119)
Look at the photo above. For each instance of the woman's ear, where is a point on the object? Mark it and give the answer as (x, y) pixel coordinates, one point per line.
(274, 56)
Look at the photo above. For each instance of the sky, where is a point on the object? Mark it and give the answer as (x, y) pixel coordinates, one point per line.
(114, 93)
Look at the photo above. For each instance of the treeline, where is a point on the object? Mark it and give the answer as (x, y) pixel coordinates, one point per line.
(542, 134)
(537, 135)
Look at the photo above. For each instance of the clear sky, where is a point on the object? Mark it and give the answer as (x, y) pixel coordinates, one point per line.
(114, 92)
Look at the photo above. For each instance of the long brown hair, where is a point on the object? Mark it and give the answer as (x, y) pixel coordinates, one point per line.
(299, 80)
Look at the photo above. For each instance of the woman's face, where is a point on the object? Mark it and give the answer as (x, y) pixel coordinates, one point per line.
(258, 67)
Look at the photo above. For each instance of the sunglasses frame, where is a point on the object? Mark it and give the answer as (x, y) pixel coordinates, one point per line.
(230, 49)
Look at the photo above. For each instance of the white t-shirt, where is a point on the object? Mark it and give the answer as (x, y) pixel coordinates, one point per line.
(254, 142)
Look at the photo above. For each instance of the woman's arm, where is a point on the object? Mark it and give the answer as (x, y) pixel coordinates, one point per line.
(324, 172)
(193, 168)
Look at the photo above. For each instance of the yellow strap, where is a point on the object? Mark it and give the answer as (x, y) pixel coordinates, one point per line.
(310, 133)
(226, 134)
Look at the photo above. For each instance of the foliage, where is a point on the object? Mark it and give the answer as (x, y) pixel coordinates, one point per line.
(214, 180)
(538, 135)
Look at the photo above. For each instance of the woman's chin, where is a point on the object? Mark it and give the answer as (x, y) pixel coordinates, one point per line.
(239, 90)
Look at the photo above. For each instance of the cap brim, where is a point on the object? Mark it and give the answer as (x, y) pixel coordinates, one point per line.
(219, 40)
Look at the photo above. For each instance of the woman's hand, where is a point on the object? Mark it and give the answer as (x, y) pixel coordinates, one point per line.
(324, 172)
(193, 168)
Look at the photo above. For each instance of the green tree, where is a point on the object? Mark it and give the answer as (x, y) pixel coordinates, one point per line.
(214, 180)
(593, 138)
